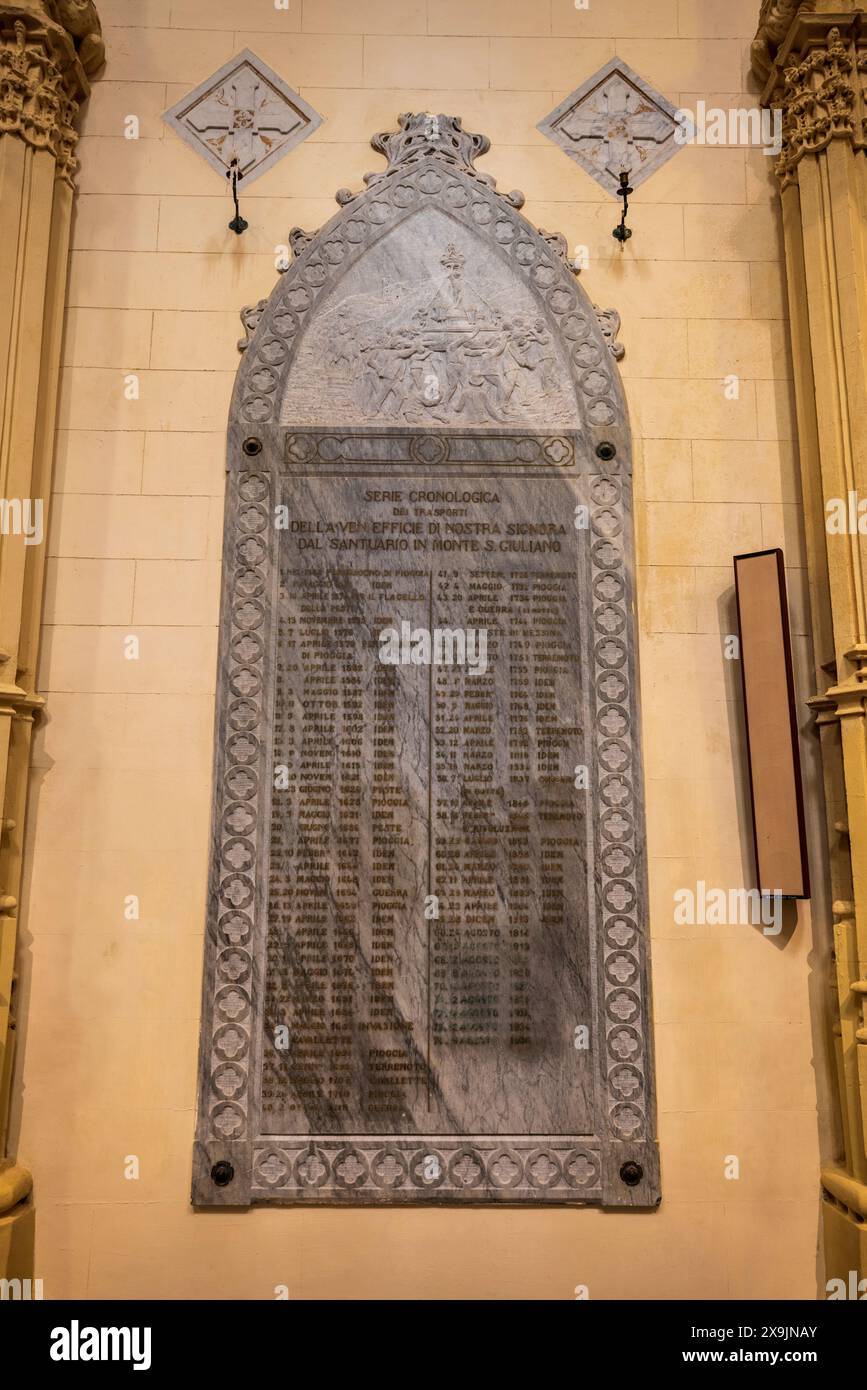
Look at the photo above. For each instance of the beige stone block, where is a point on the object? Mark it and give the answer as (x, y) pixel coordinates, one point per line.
(708, 19)
(762, 184)
(172, 659)
(107, 338)
(739, 233)
(765, 1067)
(169, 592)
(225, 14)
(374, 17)
(127, 731)
(655, 18)
(677, 65)
(89, 591)
(771, 1248)
(93, 1163)
(783, 527)
(314, 60)
(755, 348)
(111, 102)
(144, 14)
(167, 400)
(672, 409)
(486, 17)
(542, 175)
(643, 357)
(63, 1245)
(205, 341)
(666, 596)
(588, 225)
(687, 533)
(72, 891)
(741, 979)
(122, 1062)
(714, 598)
(166, 811)
(164, 55)
(201, 224)
(317, 171)
(178, 463)
(775, 403)
(107, 461)
(663, 470)
(148, 528)
(216, 510)
(149, 281)
(748, 471)
(687, 290)
(115, 222)
(699, 1147)
(556, 65)
(243, 1257)
(394, 61)
(144, 167)
(670, 805)
(686, 1068)
(697, 174)
(120, 973)
(507, 118)
(768, 292)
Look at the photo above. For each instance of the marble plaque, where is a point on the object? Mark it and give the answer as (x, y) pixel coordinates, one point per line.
(426, 974)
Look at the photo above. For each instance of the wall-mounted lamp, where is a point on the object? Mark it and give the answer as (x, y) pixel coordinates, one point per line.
(622, 232)
(237, 224)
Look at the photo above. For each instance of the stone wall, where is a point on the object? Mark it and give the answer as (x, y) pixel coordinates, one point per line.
(121, 790)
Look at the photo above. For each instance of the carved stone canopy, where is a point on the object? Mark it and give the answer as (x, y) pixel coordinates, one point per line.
(434, 301)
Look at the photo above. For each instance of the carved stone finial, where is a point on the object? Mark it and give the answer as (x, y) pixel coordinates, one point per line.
(425, 135)
(250, 316)
(775, 20)
(609, 322)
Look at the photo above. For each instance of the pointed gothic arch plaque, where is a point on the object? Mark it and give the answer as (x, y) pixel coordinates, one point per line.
(426, 974)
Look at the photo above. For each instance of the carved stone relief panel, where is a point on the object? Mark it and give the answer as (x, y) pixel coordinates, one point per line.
(615, 123)
(426, 974)
(243, 112)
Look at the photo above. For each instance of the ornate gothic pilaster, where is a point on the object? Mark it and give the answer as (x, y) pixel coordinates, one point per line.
(48, 50)
(812, 59)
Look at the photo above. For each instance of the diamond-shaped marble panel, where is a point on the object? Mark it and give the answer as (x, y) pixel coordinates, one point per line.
(613, 122)
(244, 110)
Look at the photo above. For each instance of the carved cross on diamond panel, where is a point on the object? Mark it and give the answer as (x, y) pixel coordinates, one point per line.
(614, 122)
(245, 112)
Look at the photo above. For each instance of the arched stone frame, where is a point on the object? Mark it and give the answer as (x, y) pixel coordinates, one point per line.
(430, 166)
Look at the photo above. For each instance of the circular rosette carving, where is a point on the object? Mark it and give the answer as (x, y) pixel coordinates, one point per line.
(312, 1168)
(505, 1168)
(228, 1121)
(232, 1004)
(427, 1168)
(389, 1168)
(350, 1168)
(580, 1169)
(229, 1081)
(627, 1121)
(466, 1169)
(231, 1043)
(543, 1169)
(272, 1168)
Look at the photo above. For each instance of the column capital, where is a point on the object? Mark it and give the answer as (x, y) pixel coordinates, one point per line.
(49, 49)
(811, 58)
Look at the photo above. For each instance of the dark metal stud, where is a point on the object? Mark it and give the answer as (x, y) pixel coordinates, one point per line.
(631, 1173)
(606, 451)
(252, 446)
(222, 1173)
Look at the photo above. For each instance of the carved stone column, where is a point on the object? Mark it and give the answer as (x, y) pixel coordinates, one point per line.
(812, 59)
(48, 48)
